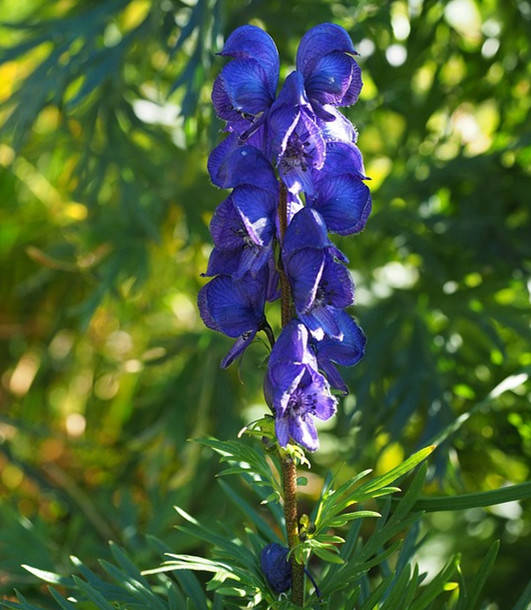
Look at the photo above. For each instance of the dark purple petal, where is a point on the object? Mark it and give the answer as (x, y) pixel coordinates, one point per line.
(321, 320)
(337, 285)
(335, 78)
(255, 208)
(292, 346)
(226, 226)
(253, 259)
(282, 430)
(251, 42)
(231, 307)
(344, 202)
(273, 281)
(245, 84)
(349, 350)
(231, 165)
(238, 348)
(323, 403)
(318, 42)
(333, 376)
(353, 92)
(303, 431)
(343, 158)
(307, 229)
(304, 269)
(293, 92)
(225, 262)
(224, 107)
(282, 121)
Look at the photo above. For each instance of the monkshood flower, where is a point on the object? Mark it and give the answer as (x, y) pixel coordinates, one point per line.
(331, 76)
(245, 89)
(321, 286)
(296, 142)
(242, 229)
(276, 567)
(235, 308)
(347, 351)
(295, 390)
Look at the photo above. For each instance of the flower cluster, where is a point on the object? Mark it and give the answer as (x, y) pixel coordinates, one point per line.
(296, 147)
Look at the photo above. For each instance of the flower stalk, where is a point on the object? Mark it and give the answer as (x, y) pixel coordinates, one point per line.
(289, 469)
(289, 485)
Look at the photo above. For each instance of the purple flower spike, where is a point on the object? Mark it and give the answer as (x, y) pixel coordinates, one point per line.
(276, 567)
(295, 390)
(235, 308)
(347, 352)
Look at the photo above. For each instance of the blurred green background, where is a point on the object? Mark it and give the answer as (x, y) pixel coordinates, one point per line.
(106, 370)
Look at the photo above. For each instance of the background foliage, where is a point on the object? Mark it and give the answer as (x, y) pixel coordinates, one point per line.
(105, 367)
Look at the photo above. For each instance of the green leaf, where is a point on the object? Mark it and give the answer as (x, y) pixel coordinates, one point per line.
(64, 603)
(250, 513)
(327, 555)
(510, 493)
(94, 595)
(395, 473)
(435, 587)
(524, 601)
(481, 577)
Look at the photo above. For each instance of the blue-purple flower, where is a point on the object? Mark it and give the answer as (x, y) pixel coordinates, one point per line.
(235, 308)
(321, 285)
(242, 229)
(295, 390)
(276, 567)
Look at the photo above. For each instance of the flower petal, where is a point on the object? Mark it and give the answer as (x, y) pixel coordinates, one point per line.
(319, 41)
(333, 376)
(292, 346)
(335, 79)
(349, 350)
(337, 284)
(251, 42)
(335, 127)
(245, 84)
(280, 382)
(231, 164)
(255, 208)
(322, 321)
(238, 348)
(226, 226)
(282, 430)
(303, 431)
(304, 269)
(225, 305)
(224, 262)
(343, 158)
(307, 229)
(344, 202)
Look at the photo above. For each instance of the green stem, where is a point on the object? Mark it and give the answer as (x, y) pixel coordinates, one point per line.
(289, 470)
